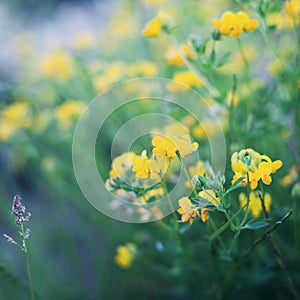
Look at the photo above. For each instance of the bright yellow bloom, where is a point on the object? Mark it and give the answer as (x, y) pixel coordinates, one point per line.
(187, 210)
(255, 206)
(58, 65)
(187, 79)
(292, 9)
(249, 163)
(68, 112)
(235, 23)
(121, 164)
(125, 255)
(153, 28)
(141, 166)
(168, 146)
(209, 195)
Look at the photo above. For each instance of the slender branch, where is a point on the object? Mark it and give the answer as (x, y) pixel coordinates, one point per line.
(277, 253)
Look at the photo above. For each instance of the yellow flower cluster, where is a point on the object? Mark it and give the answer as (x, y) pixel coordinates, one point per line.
(235, 24)
(12, 118)
(185, 80)
(166, 148)
(58, 65)
(255, 204)
(125, 255)
(67, 112)
(250, 164)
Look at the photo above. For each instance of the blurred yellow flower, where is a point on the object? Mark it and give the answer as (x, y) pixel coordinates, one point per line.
(187, 210)
(290, 177)
(155, 26)
(255, 206)
(14, 117)
(174, 57)
(125, 255)
(142, 68)
(141, 166)
(57, 65)
(235, 23)
(67, 112)
(184, 81)
(292, 9)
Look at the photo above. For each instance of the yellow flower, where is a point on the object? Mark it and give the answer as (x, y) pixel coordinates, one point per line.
(209, 195)
(168, 146)
(292, 9)
(174, 58)
(58, 65)
(12, 118)
(235, 24)
(199, 170)
(68, 112)
(155, 26)
(125, 255)
(249, 163)
(187, 79)
(290, 177)
(158, 167)
(255, 203)
(143, 68)
(121, 164)
(141, 166)
(187, 210)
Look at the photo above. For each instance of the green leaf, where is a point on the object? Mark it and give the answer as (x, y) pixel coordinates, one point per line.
(221, 208)
(255, 225)
(271, 28)
(226, 201)
(212, 57)
(223, 59)
(276, 6)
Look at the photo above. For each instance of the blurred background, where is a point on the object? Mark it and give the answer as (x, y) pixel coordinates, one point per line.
(56, 56)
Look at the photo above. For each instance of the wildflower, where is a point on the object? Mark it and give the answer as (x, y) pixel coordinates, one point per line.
(58, 65)
(141, 166)
(174, 57)
(250, 164)
(235, 24)
(67, 112)
(122, 163)
(255, 206)
(209, 195)
(187, 210)
(292, 9)
(198, 170)
(19, 212)
(142, 68)
(168, 146)
(290, 177)
(155, 26)
(125, 255)
(187, 79)
(12, 118)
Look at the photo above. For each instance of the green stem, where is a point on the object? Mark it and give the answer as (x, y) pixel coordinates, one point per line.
(27, 263)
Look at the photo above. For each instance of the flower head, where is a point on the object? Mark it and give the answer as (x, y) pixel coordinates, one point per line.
(187, 210)
(155, 26)
(125, 255)
(235, 24)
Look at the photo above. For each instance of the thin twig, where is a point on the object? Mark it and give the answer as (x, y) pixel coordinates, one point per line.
(277, 253)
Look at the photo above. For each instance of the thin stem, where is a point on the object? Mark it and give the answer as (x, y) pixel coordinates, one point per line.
(277, 253)
(27, 263)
